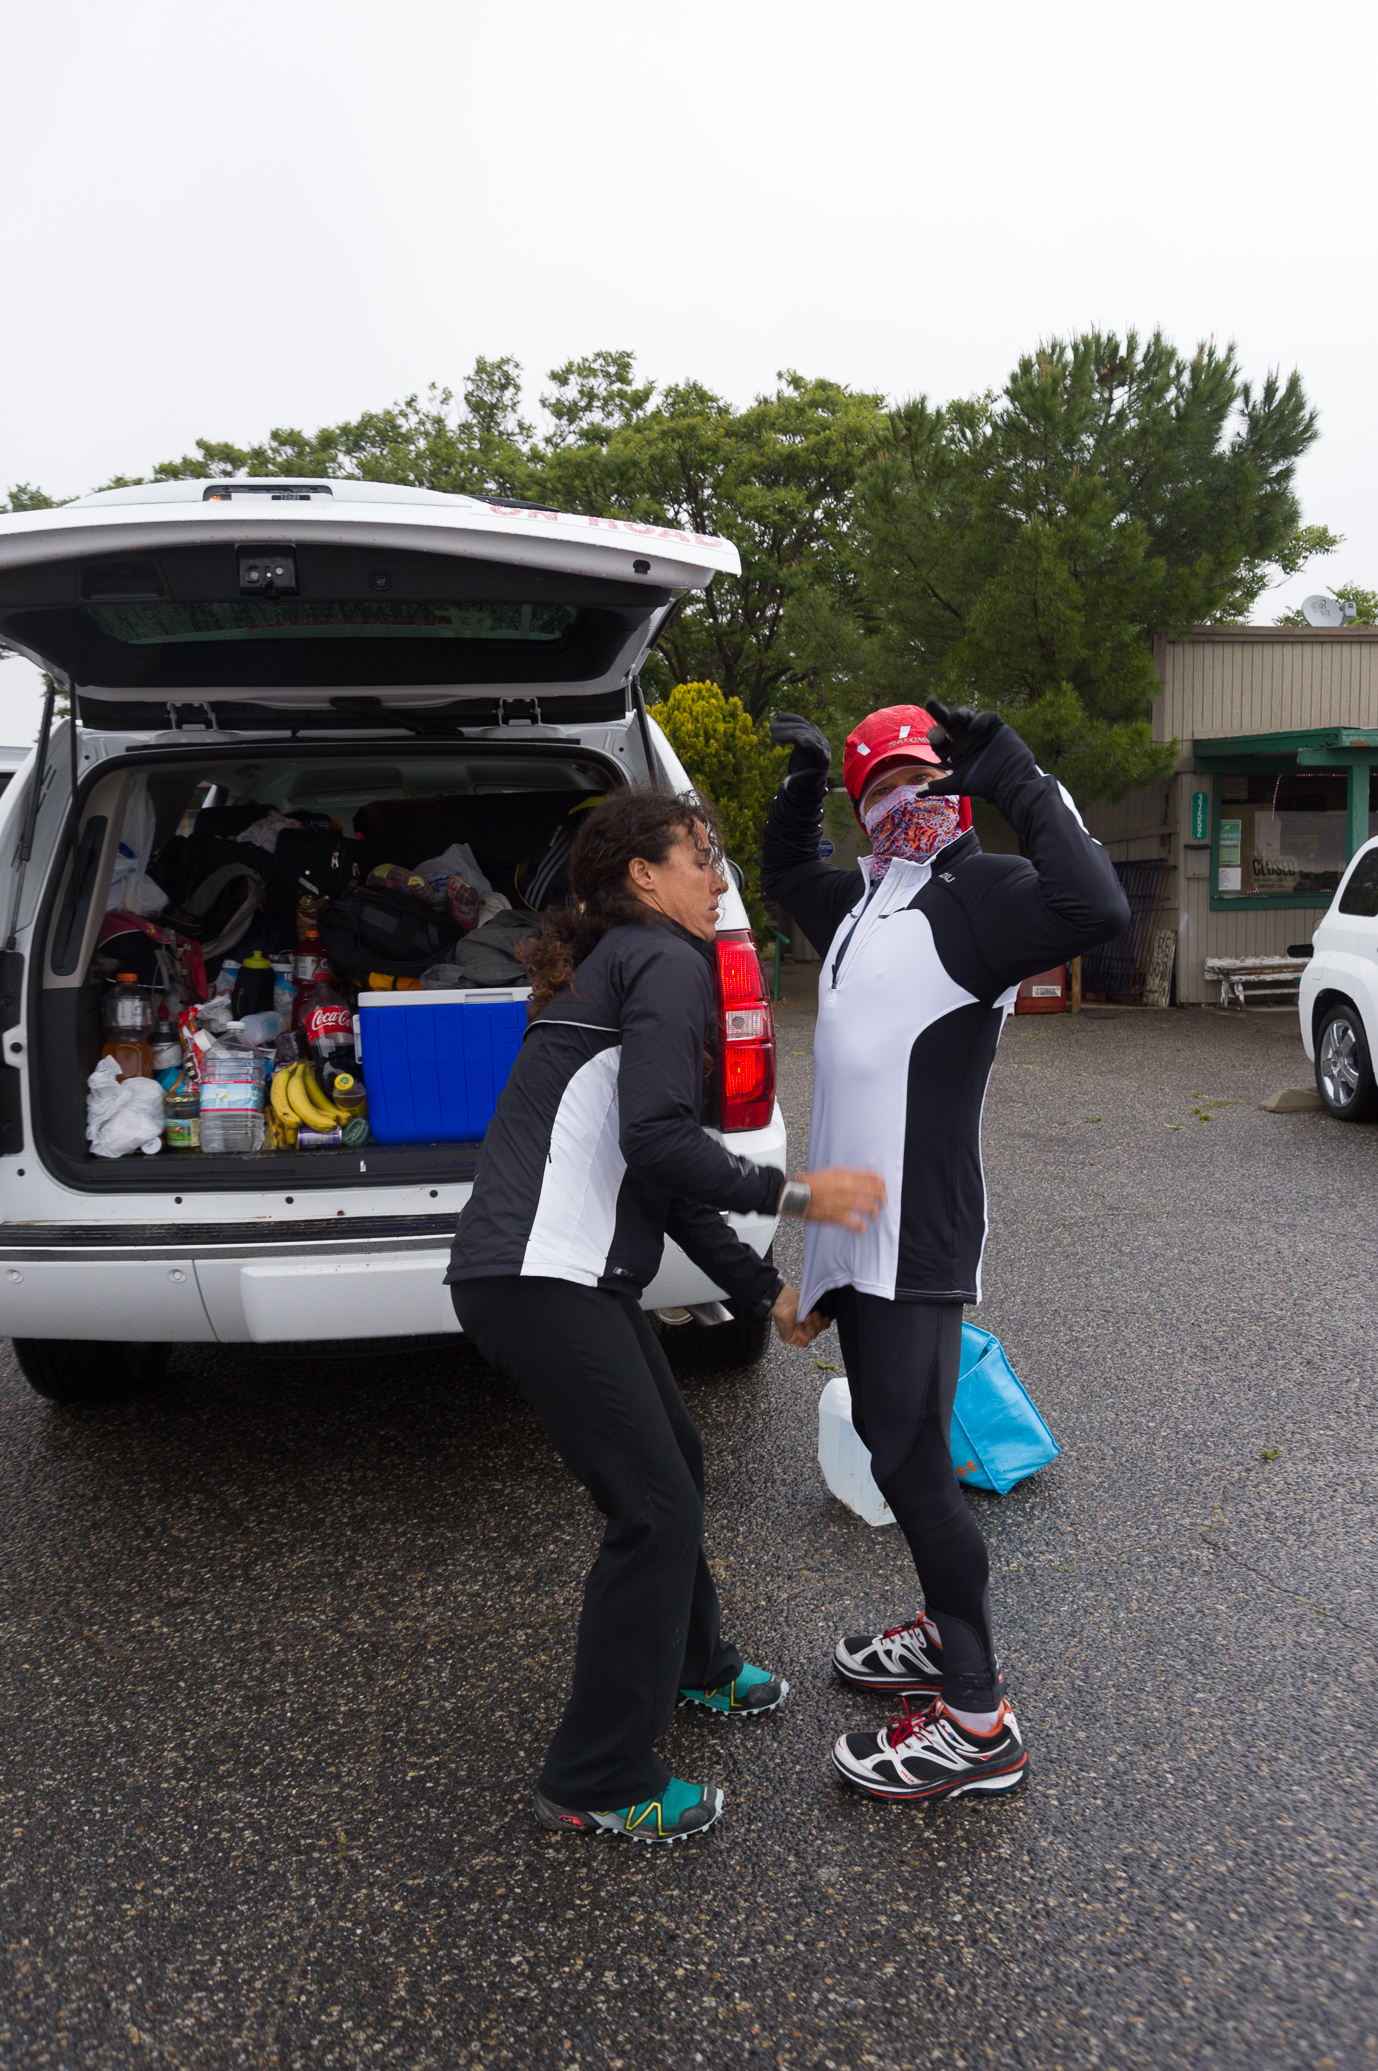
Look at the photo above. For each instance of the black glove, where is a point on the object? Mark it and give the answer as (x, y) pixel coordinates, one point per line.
(810, 749)
(961, 737)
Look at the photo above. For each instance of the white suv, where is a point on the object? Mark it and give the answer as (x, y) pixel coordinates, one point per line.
(1339, 993)
(327, 647)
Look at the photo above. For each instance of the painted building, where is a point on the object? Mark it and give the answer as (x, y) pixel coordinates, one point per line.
(1275, 788)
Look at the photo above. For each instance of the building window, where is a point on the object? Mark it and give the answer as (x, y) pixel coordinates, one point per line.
(1283, 833)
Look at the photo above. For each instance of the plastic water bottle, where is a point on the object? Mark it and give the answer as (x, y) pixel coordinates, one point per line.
(844, 1459)
(127, 1010)
(231, 1100)
(284, 988)
(259, 1031)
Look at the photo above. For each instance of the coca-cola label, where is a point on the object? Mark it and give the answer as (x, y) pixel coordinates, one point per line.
(329, 1024)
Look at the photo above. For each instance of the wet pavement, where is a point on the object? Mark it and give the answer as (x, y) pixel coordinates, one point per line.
(282, 1647)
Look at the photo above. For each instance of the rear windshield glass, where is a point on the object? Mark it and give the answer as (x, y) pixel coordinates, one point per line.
(305, 618)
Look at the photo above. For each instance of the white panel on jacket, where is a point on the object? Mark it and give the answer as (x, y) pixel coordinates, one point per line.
(891, 985)
(572, 1231)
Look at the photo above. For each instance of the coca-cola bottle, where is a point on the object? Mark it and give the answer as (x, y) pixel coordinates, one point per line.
(330, 1031)
(310, 968)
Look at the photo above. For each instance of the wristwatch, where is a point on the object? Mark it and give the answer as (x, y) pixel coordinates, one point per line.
(795, 1196)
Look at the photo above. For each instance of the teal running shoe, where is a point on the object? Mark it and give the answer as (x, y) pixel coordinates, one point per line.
(680, 1810)
(752, 1691)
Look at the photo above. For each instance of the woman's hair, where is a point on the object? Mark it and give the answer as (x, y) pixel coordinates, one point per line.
(630, 823)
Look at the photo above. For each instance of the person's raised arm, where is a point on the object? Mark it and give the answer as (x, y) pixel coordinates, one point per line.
(793, 873)
(1028, 920)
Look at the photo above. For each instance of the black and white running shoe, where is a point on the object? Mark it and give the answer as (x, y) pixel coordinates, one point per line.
(906, 1659)
(926, 1754)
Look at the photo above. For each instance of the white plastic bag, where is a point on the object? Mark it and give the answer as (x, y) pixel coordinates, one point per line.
(146, 898)
(264, 833)
(122, 1117)
(136, 846)
(457, 861)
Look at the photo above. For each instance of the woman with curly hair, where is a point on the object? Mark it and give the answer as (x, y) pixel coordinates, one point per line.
(596, 1153)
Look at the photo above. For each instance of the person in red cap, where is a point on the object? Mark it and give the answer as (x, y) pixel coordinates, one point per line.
(923, 952)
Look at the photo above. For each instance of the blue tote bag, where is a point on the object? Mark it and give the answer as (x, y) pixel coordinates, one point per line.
(998, 1437)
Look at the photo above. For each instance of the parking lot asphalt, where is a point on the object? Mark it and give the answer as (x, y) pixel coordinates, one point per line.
(283, 1645)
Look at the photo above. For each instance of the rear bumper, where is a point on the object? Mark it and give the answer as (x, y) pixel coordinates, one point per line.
(235, 1284)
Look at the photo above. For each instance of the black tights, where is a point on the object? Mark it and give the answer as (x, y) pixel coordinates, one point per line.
(902, 1360)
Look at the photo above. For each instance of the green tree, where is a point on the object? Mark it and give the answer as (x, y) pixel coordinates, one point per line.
(776, 478)
(1021, 550)
(594, 397)
(24, 497)
(1291, 557)
(476, 449)
(731, 761)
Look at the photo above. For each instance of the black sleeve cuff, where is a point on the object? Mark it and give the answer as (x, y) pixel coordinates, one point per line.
(771, 1282)
(772, 1179)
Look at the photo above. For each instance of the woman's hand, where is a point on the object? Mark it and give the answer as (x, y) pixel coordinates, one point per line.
(840, 1194)
(794, 1329)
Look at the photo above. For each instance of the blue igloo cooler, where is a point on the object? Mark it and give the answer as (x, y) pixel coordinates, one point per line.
(434, 1063)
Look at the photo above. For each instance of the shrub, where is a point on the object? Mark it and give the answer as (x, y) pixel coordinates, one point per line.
(733, 763)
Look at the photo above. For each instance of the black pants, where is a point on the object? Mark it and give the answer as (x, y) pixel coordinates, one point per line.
(902, 1360)
(592, 1369)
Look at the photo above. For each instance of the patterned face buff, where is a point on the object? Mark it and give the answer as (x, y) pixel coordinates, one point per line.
(908, 824)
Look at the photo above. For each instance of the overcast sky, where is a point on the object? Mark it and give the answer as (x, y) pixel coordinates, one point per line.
(220, 219)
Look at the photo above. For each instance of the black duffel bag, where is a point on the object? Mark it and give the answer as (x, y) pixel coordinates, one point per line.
(369, 929)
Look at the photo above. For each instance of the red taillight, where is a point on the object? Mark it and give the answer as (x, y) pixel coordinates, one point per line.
(746, 1036)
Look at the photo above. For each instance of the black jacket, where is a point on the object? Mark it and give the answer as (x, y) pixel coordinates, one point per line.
(919, 972)
(596, 1152)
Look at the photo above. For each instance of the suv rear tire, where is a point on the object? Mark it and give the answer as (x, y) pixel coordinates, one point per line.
(1344, 1069)
(742, 1342)
(89, 1370)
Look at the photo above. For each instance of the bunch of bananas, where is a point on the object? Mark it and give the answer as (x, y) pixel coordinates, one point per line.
(296, 1101)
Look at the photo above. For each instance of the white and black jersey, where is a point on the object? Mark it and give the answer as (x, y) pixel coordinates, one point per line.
(920, 969)
(597, 1151)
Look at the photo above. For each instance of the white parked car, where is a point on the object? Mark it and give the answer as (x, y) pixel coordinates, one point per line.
(335, 648)
(1339, 993)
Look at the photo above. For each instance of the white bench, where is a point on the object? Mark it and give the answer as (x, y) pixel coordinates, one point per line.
(1260, 974)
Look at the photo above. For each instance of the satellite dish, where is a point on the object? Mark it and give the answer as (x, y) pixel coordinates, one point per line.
(1327, 611)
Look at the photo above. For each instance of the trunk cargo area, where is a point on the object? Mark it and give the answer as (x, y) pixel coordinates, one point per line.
(174, 821)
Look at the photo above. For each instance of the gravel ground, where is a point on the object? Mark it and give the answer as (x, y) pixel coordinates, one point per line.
(283, 1645)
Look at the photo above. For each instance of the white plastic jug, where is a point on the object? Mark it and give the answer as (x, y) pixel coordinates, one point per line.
(844, 1459)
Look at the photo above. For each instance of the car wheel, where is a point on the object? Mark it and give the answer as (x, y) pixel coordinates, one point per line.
(1344, 1069)
(742, 1342)
(88, 1370)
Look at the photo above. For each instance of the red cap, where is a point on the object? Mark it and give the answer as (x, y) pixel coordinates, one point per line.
(897, 733)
